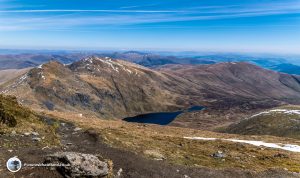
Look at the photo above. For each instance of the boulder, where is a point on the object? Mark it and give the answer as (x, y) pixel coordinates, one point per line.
(218, 154)
(154, 154)
(78, 164)
(77, 129)
(35, 134)
(27, 134)
(37, 139)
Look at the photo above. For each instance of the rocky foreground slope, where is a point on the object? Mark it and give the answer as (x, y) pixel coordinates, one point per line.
(134, 150)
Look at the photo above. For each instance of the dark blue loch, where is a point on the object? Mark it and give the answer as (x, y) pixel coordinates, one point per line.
(160, 118)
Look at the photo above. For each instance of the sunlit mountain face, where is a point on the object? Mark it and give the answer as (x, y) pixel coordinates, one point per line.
(146, 89)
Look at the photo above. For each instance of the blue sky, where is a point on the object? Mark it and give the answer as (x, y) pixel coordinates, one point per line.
(269, 26)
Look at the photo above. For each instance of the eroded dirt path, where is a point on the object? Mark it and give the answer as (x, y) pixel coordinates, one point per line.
(88, 141)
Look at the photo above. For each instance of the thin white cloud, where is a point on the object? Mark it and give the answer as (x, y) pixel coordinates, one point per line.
(139, 6)
(227, 9)
(86, 10)
(48, 20)
(134, 18)
(129, 7)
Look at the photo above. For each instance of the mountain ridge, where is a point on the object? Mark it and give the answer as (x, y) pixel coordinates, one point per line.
(112, 88)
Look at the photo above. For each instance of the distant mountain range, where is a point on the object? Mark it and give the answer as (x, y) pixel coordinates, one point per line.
(151, 60)
(20, 61)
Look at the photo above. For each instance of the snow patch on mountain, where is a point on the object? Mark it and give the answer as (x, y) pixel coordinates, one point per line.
(18, 82)
(40, 66)
(287, 147)
(282, 111)
(115, 65)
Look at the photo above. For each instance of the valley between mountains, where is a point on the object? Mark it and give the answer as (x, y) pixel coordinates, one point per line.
(249, 126)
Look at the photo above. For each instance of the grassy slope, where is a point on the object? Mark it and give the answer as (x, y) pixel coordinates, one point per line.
(273, 123)
(169, 142)
(16, 118)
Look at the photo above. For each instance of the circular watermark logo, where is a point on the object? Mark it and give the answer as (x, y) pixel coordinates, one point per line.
(14, 164)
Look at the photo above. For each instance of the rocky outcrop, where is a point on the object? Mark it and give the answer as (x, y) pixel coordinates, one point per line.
(78, 164)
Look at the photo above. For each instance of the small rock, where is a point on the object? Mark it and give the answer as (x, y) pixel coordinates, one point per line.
(37, 139)
(77, 129)
(13, 132)
(63, 124)
(281, 155)
(119, 172)
(32, 174)
(26, 134)
(218, 154)
(186, 176)
(46, 147)
(78, 164)
(10, 151)
(35, 134)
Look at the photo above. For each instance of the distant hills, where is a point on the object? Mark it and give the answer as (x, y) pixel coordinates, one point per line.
(20, 61)
(155, 60)
(147, 59)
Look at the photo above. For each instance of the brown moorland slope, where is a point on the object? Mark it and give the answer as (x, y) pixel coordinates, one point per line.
(240, 82)
(10, 74)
